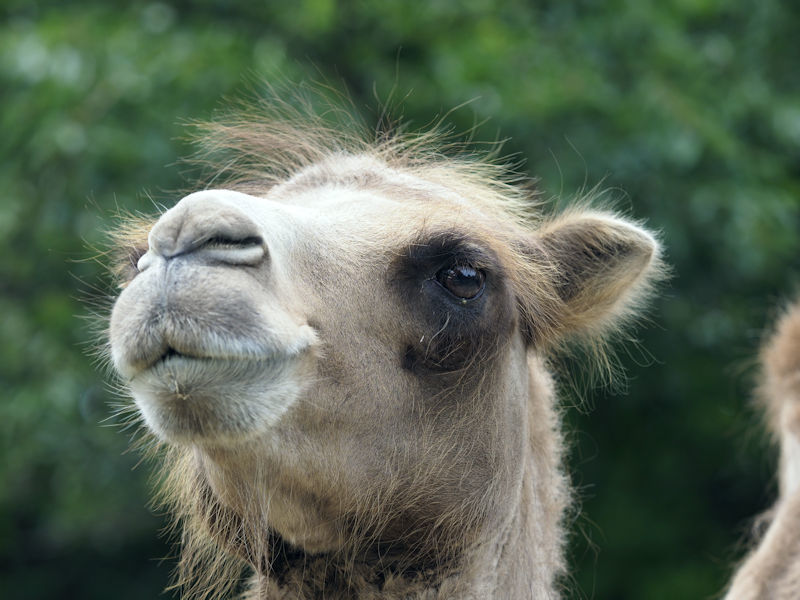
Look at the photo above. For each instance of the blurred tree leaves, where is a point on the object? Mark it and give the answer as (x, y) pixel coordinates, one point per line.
(688, 110)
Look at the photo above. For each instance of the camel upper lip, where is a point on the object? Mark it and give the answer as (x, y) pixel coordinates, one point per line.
(132, 359)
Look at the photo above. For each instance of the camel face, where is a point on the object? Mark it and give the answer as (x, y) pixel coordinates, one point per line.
(352, 361)
(310, 316)
(241, 304)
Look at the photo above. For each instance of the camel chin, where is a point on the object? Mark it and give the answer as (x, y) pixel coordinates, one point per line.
(212, 401)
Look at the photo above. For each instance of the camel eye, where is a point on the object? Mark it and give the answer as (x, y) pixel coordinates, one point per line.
(463, 281)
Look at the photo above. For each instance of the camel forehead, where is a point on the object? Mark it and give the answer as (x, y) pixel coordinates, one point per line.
(368, 188)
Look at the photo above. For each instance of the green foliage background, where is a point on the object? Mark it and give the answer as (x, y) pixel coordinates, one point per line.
(688, 110)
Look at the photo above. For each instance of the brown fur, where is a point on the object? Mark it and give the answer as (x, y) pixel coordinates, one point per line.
(772, 571)
(419, 454)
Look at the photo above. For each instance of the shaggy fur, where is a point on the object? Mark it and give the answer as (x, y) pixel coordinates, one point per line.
(772, 571)
(334, 415)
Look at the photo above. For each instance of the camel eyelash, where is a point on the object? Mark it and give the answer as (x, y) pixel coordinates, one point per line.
(432, 253)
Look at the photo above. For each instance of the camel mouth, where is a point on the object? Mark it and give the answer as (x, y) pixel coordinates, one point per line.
(173, 362)
(172, 358)
(174, 352)
(171, 354)
(169, 357)
(217, 400)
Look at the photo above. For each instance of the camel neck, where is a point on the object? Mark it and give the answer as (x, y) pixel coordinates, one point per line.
(501, 567)
(380, 572)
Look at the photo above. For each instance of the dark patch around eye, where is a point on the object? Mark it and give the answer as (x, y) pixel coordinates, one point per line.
(458, 298)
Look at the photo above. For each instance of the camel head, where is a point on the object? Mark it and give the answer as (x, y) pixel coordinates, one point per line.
(351, 358)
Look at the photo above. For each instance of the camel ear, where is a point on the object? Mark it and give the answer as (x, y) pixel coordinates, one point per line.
(599, 266)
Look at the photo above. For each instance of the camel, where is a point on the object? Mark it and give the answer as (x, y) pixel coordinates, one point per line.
(772, 570)
(342, 352)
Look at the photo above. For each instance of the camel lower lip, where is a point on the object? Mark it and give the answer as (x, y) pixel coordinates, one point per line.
(216, 400)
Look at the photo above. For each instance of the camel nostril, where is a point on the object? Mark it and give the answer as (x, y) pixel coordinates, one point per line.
(209, 225)
(223, 242)
(249, 250)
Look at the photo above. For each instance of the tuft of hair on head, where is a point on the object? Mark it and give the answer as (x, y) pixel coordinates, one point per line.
(264, 141)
